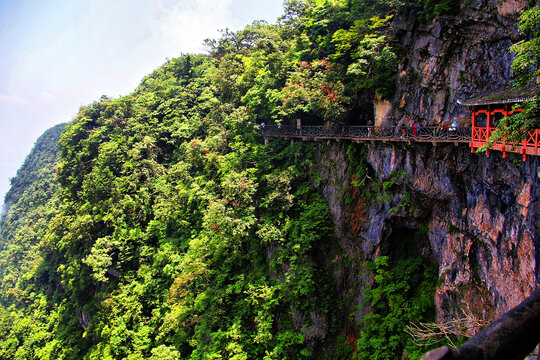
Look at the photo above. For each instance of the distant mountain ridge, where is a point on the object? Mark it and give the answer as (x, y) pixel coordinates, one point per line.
(43, 154)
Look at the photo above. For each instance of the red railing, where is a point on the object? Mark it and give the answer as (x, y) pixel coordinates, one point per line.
(481, 134)
(528, 146)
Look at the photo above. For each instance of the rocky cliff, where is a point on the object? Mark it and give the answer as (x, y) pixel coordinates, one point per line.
(476, 217)
(454, 58)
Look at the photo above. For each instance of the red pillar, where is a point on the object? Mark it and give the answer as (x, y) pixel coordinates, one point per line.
(489, 123)
(473, 128)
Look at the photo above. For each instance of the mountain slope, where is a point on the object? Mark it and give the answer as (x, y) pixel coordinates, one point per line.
(172, 231)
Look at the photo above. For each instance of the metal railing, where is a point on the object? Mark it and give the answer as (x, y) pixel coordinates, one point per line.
(403, 133)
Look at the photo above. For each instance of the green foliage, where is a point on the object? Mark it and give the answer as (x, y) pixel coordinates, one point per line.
(27, 319)
(356, 35)
(526, 69)
(34, 169)
(526, 64)
(403, 203)
(176, 233)
(429, 9)
(516, 127)
(373, 57)
(402, 293)
(309, 91)
(374, 62)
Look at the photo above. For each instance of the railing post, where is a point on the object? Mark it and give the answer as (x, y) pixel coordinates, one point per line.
(535, 138)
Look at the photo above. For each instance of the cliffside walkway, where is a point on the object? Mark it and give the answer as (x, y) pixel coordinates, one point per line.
(431, 134)
(475, 137)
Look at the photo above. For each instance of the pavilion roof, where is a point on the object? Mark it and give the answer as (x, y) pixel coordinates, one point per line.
(509, 94)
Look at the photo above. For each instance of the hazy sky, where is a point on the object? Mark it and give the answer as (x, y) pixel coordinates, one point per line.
(58, 55)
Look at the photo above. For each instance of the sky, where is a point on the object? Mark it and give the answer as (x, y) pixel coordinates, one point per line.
(58, 55)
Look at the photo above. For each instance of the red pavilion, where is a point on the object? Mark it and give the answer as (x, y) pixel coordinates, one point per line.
(489, 109)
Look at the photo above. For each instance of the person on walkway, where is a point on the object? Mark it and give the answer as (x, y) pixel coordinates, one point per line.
(454, 125)
(414, 126)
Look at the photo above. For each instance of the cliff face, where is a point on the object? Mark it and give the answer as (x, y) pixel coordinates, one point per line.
(454, 58)
(481, 216)
(478, 217)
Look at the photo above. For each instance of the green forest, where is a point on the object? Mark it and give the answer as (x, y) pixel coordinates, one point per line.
(158, 225)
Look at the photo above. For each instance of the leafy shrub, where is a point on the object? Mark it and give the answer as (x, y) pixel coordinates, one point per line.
(402, 293)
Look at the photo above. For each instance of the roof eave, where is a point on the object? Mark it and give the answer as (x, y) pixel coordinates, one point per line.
(493, 102)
